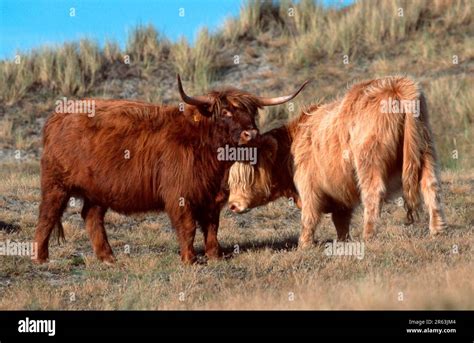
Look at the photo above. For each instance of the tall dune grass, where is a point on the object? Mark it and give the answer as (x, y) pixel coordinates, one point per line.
(451, 105)
(196, 63)
(15, 81)
(70, 69)
(368, 26)
(146, 45)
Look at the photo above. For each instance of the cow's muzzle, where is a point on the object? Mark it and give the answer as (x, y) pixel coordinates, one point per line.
(247, 135)
(237, 208)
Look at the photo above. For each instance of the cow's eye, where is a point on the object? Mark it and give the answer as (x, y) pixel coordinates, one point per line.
(226, 113)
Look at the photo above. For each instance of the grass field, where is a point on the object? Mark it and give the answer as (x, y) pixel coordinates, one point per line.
(402, 268)
(269, 49)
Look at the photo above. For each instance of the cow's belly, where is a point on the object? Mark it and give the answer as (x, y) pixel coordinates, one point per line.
(122, 202)
(341, 190)
(137, 206)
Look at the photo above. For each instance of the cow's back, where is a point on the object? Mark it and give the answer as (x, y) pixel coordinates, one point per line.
(338, 138)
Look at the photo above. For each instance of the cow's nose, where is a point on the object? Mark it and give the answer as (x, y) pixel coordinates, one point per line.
(247, 135)
(234, 207)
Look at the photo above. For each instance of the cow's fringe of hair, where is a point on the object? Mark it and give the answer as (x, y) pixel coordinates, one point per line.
(243, 175)
(238, 98)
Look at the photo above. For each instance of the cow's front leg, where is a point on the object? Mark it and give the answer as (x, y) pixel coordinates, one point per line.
(310, 210)
(210, 224)
(94, 219)
(310, 218)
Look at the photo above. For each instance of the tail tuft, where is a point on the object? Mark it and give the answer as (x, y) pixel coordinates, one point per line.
(58, 232)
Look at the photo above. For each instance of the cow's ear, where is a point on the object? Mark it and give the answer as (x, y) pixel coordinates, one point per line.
(205, 110)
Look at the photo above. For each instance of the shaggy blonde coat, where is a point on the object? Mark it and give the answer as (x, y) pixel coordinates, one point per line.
(358, 149)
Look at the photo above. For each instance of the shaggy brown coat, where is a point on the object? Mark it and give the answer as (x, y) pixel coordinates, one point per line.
(133, 157)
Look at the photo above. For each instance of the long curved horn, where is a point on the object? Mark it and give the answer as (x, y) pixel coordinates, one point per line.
(281, 99)
(196, 100)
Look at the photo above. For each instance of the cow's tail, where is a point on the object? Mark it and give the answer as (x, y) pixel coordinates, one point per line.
(413, 141)
(58, 232)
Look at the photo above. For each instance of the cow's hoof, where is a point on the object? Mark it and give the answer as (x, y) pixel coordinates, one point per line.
(108, 260)
(437, 231)
(189, 260)
(214, 254)
(40, 261)
(344, 238)
(305, 245)
(367, 236)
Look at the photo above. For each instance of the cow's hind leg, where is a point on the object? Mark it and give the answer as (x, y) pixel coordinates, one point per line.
(372, 188)
(53, 203)
(93, 216)
(342, 220)
(185, 224)
(430, 188)
(309, 220)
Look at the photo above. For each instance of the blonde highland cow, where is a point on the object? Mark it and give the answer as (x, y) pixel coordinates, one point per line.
(358, 149)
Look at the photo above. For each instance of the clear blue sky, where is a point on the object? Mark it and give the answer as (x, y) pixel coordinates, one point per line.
(25, 24)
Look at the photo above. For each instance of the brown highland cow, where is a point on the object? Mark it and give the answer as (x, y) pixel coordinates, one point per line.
(134, 157)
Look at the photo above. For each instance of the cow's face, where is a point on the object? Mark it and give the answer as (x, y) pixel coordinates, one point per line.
(246, 190)
(234, 111)
(251, 185)
(235, 115)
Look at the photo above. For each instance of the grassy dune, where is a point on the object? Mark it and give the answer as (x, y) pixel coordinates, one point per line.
(402, 268)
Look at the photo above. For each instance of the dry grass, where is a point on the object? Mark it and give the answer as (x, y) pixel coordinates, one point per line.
(452, 101)
(15, 80)
(255, 18)
(146, 49)
(146, 45)
(6, 130)
(367, 26)
(263, 271)
(70, 69)
(76, 67)
(196, 63)
(277, 51)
